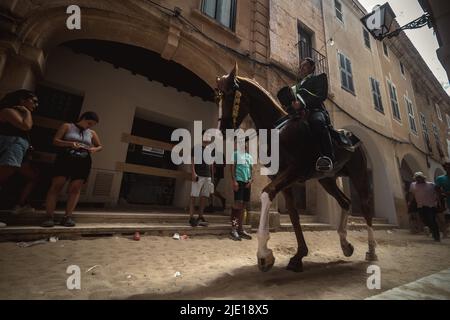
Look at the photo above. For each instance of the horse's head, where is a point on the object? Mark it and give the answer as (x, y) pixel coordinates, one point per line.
(233, 105)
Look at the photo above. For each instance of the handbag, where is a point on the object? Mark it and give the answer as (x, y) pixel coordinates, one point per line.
(76, 153)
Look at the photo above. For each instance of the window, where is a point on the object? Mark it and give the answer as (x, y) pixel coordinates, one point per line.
(376, 95)
(438, 112)
(366, 38)
(224, 11)
(438, 140)
(346, 73)
(385, 50)
(402, 69)
(394, 101)
(411, 115)
(305, 43)
(339, 12)
(426, 136)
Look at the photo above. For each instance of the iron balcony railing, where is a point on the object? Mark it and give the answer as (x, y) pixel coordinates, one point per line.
(307, 51)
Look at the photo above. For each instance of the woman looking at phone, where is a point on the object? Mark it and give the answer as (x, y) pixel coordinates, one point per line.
(76, 141)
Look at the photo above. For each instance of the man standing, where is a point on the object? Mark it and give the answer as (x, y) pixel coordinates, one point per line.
(242, 178)
(443, 187)
(426, 197)
(202, 187)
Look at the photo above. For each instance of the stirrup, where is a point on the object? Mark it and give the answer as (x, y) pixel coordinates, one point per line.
(324, 164)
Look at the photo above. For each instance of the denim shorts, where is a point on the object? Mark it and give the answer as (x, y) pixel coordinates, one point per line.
(12, 151)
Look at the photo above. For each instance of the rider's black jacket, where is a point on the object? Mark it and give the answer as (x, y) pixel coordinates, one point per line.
(314, 91)
(311, 91)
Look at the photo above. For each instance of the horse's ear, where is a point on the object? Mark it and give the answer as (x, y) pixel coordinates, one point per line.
(234, 73)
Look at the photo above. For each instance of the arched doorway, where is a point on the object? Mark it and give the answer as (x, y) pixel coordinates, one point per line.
(141, 98)
(438, 172)
(381, 185)
(408, 167)
(351, 192)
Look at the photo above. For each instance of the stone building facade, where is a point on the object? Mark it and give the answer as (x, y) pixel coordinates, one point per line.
(142, 64)
(381, 91)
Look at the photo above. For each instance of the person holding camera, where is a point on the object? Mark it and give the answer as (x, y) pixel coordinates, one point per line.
(76, 141)
(15, 124)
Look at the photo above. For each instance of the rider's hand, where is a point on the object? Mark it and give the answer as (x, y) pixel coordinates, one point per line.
(22, 109)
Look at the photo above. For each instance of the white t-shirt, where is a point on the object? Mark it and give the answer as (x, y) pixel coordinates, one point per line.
(424, 193)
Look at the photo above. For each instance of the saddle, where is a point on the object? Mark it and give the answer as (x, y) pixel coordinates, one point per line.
(340, 138)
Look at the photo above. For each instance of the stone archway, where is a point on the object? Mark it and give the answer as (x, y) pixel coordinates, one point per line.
(383, 200)
(438, 172)
(352, 193)
(46, 29)
(408, 166)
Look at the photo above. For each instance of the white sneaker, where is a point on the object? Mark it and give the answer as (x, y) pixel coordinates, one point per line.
(2, 225)
(25, 209)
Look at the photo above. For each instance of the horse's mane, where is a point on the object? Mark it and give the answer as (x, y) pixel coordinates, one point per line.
(264, 93)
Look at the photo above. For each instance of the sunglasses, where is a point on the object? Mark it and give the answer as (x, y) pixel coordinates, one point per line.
(35, 101)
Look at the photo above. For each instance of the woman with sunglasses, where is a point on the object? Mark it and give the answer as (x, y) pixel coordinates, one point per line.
(15, 124)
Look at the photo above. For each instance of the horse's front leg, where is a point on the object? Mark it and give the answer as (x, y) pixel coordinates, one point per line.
(264, 255)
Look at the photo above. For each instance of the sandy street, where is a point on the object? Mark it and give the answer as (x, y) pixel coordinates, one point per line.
(214, 267)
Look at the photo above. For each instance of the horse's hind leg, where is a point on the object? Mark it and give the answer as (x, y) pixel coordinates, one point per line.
(329, 184)
(295, 264)
(359, 176)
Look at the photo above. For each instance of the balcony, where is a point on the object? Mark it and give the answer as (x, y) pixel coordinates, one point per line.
(307, 51)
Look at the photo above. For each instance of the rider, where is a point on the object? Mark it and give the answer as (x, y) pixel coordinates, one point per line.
(310, 93)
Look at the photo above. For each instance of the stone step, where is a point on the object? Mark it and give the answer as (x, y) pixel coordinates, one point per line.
(375, 226)
(284, 218)
(107, 217)
(308, 226)
(30, 233)
(314, 226)
(357, 219)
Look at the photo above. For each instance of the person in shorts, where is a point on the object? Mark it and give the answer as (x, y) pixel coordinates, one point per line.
(15, 124)
(242, 179)
(426, 197)
(201, 188)
(76, 141)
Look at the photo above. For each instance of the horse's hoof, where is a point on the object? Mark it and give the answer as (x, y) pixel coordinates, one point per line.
(348, 250)
(295, 265)
(264, 266)
(266, 263)
(371, 257)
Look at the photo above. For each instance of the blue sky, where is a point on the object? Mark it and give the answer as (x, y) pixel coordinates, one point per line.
(423, 39)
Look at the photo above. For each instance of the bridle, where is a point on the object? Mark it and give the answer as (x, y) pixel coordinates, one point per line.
(219, 95)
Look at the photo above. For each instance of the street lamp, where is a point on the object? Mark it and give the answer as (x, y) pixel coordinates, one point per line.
(379, 22)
